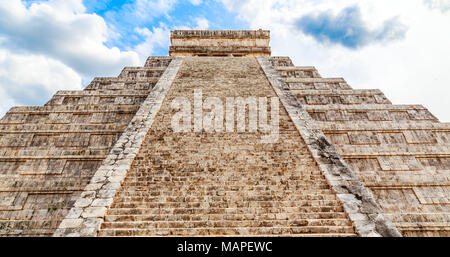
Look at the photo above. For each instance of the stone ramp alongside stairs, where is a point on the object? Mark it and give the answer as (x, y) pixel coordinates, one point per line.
(223, 184)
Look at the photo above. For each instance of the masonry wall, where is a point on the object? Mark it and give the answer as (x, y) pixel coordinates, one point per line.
(49, 153)
(400, 152)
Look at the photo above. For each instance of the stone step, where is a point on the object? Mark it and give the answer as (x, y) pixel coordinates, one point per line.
(395, 150)
(117, 84)
(193, 198)
(27, 232)
(343, 97)
(222, 188)
(158, 61)
(281, 231)
(386, 126)
(297, 68)
(316, 83)
(213, 183)
(142, 72)
(71, 115)
(238, 217)
(102, 93)
(129, 233)
(174, 203)
(336, 113)
(419, 217)
(307, 224)
(368, 107)
(298, 72)
(206, 180)
(41, 128)
(315, 80)
(79, 109)
(281, 61)
(144, 68)
(211, 179)
(41, 180)
(423, 225)
(49, 187)
(69, 100)
(400, 179)
(219, 176)
(28, 224)
(84, 154)
(55, 147)
(337, 92)
(237, 210)
(425, 232)
(289, 68)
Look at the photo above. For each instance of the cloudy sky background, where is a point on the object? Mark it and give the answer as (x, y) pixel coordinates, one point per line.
(399, 46)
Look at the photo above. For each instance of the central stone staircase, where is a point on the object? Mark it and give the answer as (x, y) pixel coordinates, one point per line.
(223, 184)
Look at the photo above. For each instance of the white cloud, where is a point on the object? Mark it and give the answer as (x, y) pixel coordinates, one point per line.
(61, 30)
(413, 70)
(51, 45)
(138, 12)
(32, 80)
(202, 24)
(160, 37)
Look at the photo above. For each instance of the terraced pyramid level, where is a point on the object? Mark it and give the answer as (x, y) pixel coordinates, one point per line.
(223, 183)
(106, 161)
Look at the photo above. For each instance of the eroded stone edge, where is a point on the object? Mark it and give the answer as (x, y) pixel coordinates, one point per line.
(366, 215)
(87, 214)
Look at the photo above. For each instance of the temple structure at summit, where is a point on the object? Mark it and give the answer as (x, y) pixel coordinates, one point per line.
(106, 161)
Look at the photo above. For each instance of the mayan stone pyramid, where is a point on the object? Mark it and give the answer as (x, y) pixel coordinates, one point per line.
(105, 161)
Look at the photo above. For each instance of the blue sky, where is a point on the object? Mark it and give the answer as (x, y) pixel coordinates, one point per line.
(400, 47)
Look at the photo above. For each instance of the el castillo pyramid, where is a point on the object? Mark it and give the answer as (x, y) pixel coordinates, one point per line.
(105, 161)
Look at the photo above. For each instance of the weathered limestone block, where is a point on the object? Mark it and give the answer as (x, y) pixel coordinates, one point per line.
(436, 163)
(47, 166)
(219, 43)
(13, 118)
(15, 140)
(363, 138)
(392, 138)
(60, 118)
(379, 115)
(399, 163)
(421, 115)
(339, 139)
(281, 61)
(337, 115)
